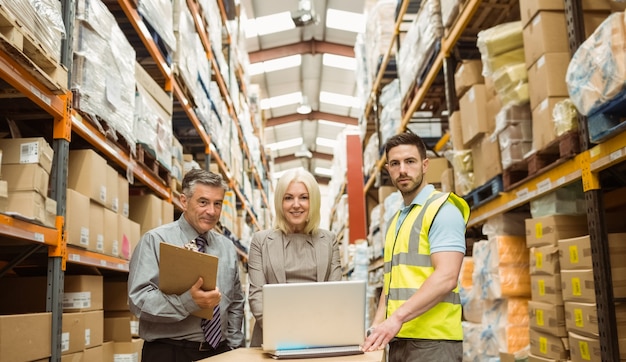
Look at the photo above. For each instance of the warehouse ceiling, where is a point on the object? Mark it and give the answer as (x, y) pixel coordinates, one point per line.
(304, 140)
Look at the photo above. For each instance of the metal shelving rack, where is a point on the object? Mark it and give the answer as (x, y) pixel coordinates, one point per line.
(32, 238)
(586, 167)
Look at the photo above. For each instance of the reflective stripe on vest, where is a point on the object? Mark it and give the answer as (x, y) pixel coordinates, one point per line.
(407, 264)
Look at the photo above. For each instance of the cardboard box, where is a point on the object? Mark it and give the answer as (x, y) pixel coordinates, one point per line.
(77, 220)
(108, 351)
(147, 211)
(544, 260)
(27, 150)
(82, 293)
(547, 33)
(436, 166)
(547, 230)
(168, 210)
(87, 175)
(546, 77)
(4, 196)
(543, 128)
(32, 205)
(546, 288)
(94, 328)
(529, 8)
(94, 354)
(111, 233)
(112, 183)
(128, 351)
(27, 177)
(117, 329)
(456, 131)
(116, 296)
(532, 358)
(547, 317)
(473, 106)
(96, 227)
(575, 253)
(578, 285)
(468, 73)
(548, 346)
(134, 321)
(122, 193)
(582, 318)
(25, 337)
(584, 349)
(144, 79)
(73, 357)
(72, 333)
(124, 230)
(486, 158)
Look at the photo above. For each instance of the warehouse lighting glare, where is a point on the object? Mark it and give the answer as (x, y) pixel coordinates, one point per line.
(345, 20)
(339, 99)
(281, 101)
(264, 25)
(273, 65)
(326, 142)
(323, 171)
(339, 61)
(277, 146)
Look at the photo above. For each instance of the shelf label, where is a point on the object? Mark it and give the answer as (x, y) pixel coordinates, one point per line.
(522, 194)
(121, 266)
(77, 300)
(39, 237)
(40, 95)
(544, 186)
(125, 357)
(103, 262)
(74, 257)
(65, 342)
(616, 155)
(560, 181)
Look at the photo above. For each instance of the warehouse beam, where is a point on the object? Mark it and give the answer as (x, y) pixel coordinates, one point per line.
(315, 115)
(318, 155)
(306, 47)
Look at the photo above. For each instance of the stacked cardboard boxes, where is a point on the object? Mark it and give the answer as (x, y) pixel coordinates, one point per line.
(98, 188)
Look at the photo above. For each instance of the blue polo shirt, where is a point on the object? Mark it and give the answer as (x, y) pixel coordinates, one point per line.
(447, 233)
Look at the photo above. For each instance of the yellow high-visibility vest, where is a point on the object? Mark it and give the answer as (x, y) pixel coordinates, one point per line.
(407, 265)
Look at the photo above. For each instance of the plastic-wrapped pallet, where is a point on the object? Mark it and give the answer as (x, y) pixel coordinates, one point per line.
(420, 44)
(158, 15)
(470, 296)
(597, 71)
(43, 18)
(104, 86)
(471, 341)
(378, 34)
(505, 326)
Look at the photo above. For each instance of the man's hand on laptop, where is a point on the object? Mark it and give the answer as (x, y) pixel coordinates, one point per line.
(205, 299)
(378, 336)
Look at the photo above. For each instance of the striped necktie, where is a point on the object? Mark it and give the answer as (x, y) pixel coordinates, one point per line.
(211, 328)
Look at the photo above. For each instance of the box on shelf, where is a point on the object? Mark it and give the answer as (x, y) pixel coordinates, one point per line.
(548, 346)
(25, 337)
(579, 285)
(436, 166)
(543, 122)
(76, 219)
(113, 199)
(27, 150)
(82, 293)
(473, 114)
(111, 242)
(94, 328)
(546, 77)
(72, 333)
(86, 174)
(32, 205)
(96, 227)
(546, 288)
(583, 349)
(529, 8)
(544, 260)
(547, 230)
(26, 177)
(4, 196)
(122, 193)
(582, 318)
(575, 253)
(468, 73)
(146, 210)
(486, 158)
(94, 354)
(115, 296)
(547, 317)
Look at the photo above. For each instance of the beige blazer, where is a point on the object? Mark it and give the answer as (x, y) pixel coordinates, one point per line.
(266, 265)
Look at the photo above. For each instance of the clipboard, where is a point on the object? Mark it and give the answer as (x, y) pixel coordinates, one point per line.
(179, 269)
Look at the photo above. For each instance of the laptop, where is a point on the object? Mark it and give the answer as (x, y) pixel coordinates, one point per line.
(304, 320)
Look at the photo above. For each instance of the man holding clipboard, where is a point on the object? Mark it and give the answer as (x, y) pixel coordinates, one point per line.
(179, 324)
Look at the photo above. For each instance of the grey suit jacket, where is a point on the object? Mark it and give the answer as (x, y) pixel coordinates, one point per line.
(266, 265)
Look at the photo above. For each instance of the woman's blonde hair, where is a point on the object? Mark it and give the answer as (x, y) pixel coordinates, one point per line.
(298, 175)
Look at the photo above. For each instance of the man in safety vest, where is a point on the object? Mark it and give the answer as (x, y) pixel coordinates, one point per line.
(419, 312)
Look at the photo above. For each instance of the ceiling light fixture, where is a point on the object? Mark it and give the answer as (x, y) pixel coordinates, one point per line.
(304, 107)
(305, 15)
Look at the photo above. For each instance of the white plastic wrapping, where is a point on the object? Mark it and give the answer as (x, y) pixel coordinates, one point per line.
(158, 14)
(597, 71)
(104, 86)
